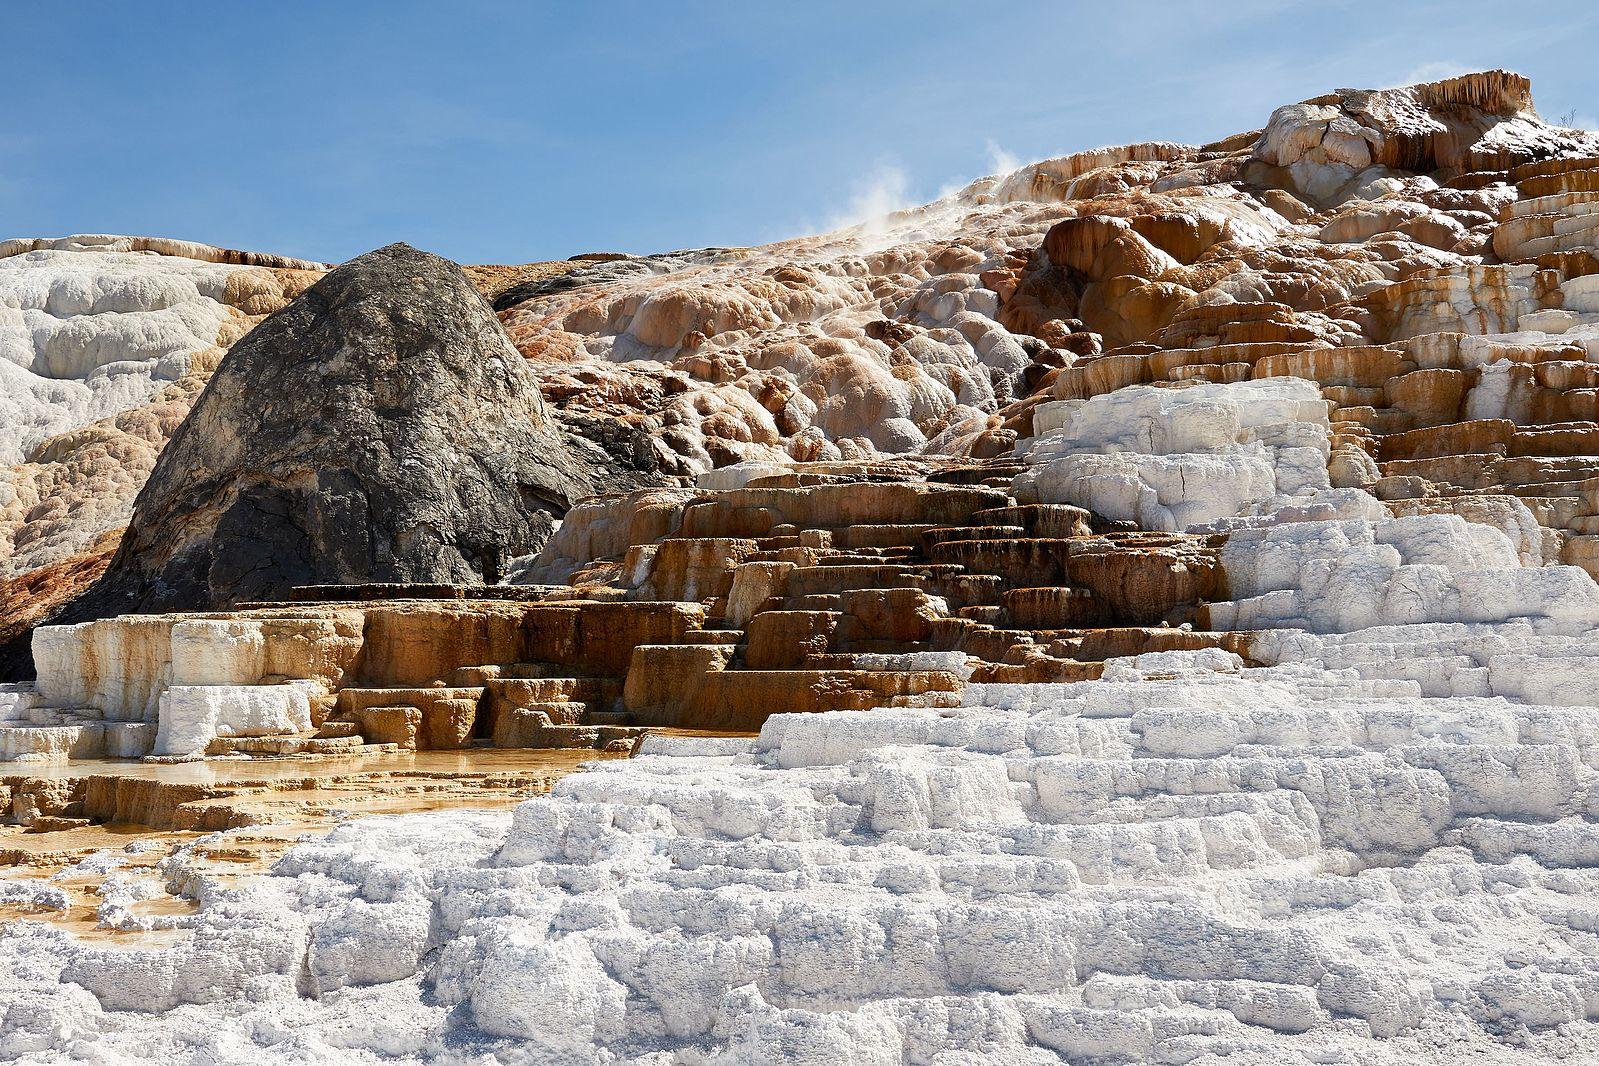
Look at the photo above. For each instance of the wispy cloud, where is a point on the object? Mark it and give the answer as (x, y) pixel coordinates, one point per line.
(878, 191)
(1437, 70)
(18, 150)
(414, 129)
(424, 121)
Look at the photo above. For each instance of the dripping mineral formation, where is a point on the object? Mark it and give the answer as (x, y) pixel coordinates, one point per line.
(1139, 608)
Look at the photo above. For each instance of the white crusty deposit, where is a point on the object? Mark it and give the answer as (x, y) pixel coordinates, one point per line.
(85, 334)
(1177, 458)
(104, 343)
(1322, 576)
(1183, 862)
(189, 680)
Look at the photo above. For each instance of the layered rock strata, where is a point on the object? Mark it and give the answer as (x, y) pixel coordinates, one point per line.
(703, 609)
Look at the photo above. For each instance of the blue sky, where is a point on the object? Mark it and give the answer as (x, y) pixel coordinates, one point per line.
(500, 132)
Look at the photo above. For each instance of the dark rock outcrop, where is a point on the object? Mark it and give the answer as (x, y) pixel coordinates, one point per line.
(606, 270)
(379, 428)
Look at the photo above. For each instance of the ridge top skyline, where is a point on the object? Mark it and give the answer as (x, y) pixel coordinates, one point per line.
(499, 133)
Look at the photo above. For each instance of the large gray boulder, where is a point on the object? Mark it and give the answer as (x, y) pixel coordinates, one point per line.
(381, 427)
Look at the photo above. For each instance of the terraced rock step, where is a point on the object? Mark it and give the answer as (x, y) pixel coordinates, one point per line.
(693, 627)
(1180, 844)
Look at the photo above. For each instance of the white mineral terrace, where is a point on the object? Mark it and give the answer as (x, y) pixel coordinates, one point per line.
(1182, 862)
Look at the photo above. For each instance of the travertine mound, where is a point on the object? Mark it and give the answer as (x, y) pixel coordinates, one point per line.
(165, 246)
(1230, 698)
(101, 352)
(379, 428)
(1418, 252)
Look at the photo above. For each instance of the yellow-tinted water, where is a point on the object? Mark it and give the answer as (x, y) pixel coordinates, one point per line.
(275, 802)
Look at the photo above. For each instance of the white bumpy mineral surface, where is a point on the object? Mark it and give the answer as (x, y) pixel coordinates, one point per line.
(1352, 357)
(1184, 861)
(104, 343)
(1176, 459)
